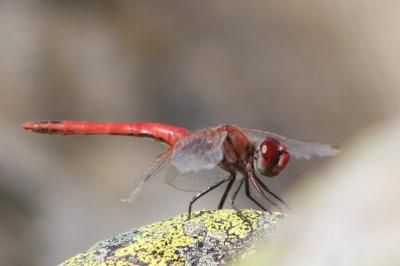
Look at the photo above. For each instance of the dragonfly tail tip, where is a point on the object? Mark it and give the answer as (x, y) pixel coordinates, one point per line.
(28, 125)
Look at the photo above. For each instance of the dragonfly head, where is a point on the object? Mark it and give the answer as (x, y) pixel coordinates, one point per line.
(270, 157)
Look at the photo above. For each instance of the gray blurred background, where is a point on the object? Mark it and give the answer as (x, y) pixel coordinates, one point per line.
(311, 70)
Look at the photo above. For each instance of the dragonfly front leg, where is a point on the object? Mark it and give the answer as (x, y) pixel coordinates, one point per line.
(264, 186)
(253, 178)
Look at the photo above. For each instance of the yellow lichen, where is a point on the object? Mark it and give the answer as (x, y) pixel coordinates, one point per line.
(175, 240)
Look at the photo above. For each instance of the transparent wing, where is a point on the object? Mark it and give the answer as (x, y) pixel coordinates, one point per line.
(296, 148)
(162, 160)
(200, 150)
(193, 181)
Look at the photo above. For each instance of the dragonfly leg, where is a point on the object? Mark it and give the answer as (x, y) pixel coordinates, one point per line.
(203, 193)
(266, 189)
(232, 202)
(253, 178)
(228, 188)
(251, 197)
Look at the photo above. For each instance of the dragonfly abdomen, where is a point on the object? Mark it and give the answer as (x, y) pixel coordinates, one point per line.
(166, 133)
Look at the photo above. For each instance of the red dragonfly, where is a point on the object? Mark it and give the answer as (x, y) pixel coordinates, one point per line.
(204, 159)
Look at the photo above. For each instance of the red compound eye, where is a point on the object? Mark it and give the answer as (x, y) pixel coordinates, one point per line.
(271, 157)
(269, 149)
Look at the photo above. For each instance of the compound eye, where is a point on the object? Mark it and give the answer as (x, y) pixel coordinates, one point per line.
(270, 150)
(268, 156)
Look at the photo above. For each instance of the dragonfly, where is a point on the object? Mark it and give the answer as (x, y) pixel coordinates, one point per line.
(204, 159)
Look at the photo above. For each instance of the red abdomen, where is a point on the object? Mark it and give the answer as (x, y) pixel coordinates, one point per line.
(165, 133)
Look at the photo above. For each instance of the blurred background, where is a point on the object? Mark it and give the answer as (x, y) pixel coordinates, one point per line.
(312, 70)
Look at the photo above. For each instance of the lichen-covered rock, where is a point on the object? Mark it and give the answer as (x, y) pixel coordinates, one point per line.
(209, 238)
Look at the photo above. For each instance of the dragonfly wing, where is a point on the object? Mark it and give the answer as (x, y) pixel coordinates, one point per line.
(296, 148)
(162, 160)
(193, 181)
(200, 150)
(306, 150)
